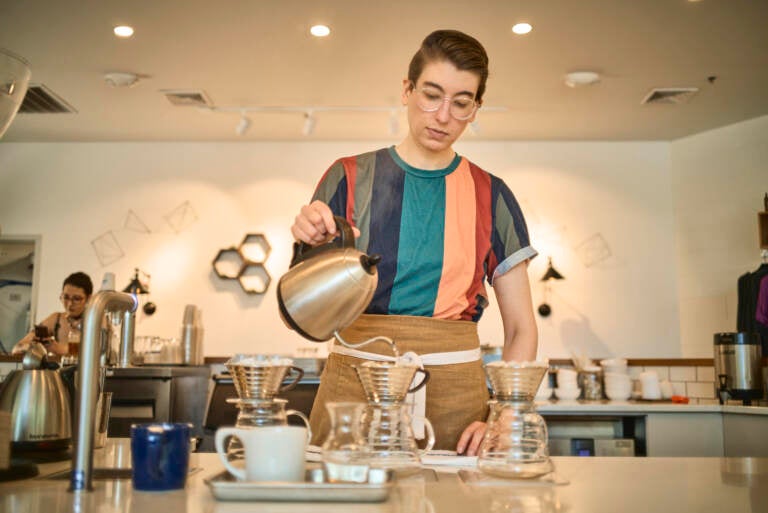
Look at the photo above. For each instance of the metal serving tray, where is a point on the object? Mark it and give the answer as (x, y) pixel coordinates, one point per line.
(226, 487)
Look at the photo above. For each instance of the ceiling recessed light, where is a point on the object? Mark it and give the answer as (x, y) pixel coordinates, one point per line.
(121, 78)
(319, 30)
(123, 31)
(522, 28)
(581, 78)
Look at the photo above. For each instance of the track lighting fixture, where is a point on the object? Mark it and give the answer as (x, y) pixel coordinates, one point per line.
(243, 125)
(309, 123)
(394, 122)
(310, 113)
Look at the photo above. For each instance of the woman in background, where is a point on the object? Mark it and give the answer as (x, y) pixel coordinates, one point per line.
(66, 325)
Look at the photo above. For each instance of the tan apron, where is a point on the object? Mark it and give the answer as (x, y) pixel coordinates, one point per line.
(457, 394)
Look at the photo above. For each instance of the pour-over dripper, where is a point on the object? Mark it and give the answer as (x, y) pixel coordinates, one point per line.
(515, 381)
(260, 376)
(387, 382)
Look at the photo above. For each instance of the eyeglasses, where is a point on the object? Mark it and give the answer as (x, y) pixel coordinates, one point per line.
(71, 299)
(430, 99)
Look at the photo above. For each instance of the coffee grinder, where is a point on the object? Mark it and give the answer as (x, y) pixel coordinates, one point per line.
(738, 358)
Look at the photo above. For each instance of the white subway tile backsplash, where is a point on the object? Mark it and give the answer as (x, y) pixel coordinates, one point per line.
(705, 374)
(682, 373)
(700, 390)
(678, 388)
(663, 372)
(709, 401)
(634, 371)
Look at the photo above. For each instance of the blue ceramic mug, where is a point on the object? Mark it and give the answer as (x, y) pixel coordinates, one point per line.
(160, 454)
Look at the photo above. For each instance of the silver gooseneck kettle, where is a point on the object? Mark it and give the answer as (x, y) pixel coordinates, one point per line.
(38, 399)
(328, 286)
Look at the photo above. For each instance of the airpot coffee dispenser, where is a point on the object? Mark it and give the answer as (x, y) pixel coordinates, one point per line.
(737, 366)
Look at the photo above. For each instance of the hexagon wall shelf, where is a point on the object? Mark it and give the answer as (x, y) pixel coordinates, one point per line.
(254, 279)
(245, 264)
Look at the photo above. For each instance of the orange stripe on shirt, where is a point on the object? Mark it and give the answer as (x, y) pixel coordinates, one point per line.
(350, 169)
(459, 245)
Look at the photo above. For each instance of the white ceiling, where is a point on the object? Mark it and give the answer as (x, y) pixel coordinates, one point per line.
(259, 53)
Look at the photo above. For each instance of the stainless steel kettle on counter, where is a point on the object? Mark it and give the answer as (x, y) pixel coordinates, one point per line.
(39, 402)
(328, 286)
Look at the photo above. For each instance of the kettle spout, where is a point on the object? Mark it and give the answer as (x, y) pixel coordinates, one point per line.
(369, 262)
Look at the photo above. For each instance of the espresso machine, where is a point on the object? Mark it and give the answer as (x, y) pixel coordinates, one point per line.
(738, 360)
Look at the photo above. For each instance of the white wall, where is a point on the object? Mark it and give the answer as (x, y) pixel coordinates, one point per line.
(718, 180)
(573, 194)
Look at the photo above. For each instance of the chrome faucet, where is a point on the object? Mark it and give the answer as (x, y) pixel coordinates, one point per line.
(88, 379)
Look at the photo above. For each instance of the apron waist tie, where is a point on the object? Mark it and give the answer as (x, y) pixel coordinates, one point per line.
(418, 399)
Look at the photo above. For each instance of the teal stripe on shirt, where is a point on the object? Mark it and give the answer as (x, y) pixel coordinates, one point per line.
(422, 228)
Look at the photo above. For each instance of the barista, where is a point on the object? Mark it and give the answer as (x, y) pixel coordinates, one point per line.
(442, 225)
(62, 326)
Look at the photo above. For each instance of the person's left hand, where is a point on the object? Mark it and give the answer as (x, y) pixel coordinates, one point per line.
(470, 439)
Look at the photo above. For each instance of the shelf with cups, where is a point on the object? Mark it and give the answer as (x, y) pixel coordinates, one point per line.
(245, 263)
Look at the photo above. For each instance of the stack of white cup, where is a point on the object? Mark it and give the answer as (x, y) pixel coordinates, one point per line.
(567, 387)
(545, 391)
(650, 385)
(618, 384)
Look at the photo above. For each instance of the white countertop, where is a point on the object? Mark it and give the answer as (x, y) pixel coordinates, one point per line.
(641, 407)
(596, 485)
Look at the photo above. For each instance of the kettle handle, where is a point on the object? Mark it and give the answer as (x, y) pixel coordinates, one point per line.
(303, 251)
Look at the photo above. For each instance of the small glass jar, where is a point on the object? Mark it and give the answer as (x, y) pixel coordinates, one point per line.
(344, 452)
(591, 383)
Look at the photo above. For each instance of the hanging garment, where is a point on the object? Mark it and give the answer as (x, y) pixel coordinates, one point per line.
(749, 285)
(761, 314)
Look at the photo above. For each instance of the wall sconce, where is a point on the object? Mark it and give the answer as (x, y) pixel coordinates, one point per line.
(309, 123)
(551, 274)
(137, 287)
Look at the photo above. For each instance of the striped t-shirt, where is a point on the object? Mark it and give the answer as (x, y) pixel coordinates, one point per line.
(439, 232)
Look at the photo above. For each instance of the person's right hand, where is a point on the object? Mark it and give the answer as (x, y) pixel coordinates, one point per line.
(315, 225)
(20, 348)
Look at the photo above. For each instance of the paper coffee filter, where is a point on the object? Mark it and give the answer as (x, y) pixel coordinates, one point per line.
(520, 364)
(260, 360)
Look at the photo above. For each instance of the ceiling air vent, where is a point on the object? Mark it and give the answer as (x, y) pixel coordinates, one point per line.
(41, 100)
(670, 95)
(187, 97)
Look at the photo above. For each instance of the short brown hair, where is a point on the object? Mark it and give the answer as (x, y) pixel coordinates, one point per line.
(79, 279)
(463, 51)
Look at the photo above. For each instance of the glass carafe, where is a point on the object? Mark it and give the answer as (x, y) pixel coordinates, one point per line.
(515, 441)
(344, 452)
(390, 438)
(256, 413)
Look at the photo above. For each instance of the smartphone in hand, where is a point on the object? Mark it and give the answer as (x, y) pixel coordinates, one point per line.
(42, 334)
